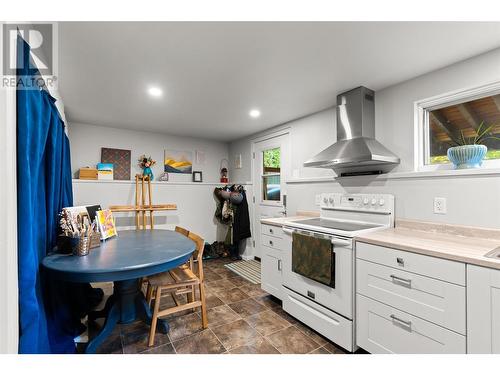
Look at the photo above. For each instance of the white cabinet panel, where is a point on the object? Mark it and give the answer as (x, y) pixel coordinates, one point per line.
(271, 275)
(442, 269)
(438, 301)
(273, 242)
(272, 230)
(483, 310)
(384, 329)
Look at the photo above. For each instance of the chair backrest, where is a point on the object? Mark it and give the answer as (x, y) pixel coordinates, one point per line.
(198, 253)
(182, 231)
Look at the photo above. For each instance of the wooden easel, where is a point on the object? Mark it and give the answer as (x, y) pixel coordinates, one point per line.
(143, 193)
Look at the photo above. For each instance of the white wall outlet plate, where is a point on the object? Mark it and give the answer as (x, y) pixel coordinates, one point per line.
(440, 205)
(317, 199)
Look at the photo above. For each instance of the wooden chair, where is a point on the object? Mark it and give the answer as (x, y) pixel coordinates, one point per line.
(180, 280)
(144, 280)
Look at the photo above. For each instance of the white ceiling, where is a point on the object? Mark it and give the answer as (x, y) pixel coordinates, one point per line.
(212, 74)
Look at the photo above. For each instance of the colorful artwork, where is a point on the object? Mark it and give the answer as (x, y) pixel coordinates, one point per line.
(120, 160)
(178, 161)
(106, 224)
(104, 171)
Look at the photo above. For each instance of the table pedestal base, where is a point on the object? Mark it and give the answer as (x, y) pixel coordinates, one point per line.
(125, 306)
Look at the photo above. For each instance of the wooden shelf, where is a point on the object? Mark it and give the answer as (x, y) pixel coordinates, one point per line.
(163, 183)
(154, 207)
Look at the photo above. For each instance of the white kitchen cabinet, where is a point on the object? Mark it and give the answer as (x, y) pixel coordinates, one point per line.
(483, 310)
(383, 329)
(271, 275)
(434, 300)
(408, 302)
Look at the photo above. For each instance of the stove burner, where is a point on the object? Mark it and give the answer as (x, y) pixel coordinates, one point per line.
(338, 225)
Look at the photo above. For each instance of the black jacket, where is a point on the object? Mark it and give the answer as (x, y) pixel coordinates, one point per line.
(241, 224)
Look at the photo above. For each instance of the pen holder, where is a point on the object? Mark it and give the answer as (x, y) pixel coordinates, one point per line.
(85, 243)
(83, 246)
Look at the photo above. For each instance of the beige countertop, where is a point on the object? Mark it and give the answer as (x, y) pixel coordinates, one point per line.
(442, 244)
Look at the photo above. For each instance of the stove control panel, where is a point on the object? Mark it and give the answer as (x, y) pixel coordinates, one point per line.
(358, 202)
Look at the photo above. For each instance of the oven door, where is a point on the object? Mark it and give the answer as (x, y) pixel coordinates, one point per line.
(338, 299)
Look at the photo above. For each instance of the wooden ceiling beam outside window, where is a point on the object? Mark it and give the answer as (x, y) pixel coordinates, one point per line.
(468, 113)
(443, 123)
(496, 99)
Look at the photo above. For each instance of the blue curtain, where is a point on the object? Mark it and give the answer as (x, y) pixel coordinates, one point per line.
(43, 188)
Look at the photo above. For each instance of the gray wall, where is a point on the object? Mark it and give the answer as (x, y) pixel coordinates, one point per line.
(87, 141)
(471, 200)
(195, 202)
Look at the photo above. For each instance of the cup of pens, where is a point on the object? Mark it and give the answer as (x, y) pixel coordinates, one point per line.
(81, 232)
(83, 246)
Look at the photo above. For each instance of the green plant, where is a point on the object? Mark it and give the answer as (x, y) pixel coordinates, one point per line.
(482, 134)
(272, 158)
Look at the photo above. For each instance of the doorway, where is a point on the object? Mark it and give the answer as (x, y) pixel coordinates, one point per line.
(271, 158)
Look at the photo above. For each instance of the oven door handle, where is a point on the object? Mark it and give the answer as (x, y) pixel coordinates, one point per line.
(335, 241)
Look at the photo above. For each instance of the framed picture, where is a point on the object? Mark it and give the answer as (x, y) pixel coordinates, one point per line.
(120, 160)
(106, 224)
(178, 161)
(104, 171)
(197, 176)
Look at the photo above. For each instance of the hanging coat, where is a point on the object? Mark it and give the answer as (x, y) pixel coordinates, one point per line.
(241, 220)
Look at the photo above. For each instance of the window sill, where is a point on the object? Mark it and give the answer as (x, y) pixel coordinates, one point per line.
(448, 173)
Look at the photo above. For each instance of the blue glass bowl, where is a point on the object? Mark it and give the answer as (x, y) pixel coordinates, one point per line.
(469, 156)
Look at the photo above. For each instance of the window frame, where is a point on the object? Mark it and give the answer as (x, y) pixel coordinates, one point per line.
(270, 202)
(422, 134)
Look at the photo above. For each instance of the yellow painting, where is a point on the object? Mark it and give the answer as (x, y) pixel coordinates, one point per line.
(106, 224)
(178, 161)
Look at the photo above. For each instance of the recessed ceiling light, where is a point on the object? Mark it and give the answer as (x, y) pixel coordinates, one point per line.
(155, 92)
(254, 113)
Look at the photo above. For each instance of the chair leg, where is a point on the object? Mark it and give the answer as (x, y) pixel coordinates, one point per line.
(149, 294)
(154, 319)
(204, 317)
(190, 295)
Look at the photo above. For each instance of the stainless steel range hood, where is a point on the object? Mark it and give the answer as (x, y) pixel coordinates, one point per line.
(356, 149)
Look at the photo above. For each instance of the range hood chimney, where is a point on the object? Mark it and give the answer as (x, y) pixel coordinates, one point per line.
(356, 150)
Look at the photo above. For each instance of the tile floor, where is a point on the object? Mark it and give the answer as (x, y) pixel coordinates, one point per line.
(242, 319)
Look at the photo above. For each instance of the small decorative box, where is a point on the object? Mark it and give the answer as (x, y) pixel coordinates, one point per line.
(88, 174)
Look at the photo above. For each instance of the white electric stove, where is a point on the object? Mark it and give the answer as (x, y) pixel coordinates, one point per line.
(330, 310)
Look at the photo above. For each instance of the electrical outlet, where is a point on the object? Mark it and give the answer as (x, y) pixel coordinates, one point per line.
(317, 200)
(440, 205)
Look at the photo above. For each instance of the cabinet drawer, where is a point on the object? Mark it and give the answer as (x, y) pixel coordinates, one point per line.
(430, 299)
(383, 329)
(441, 269)
(333, 326)
(272, 230)
(273, 242)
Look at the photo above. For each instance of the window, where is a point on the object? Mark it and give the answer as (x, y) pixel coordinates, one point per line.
(446, 119)
(271, 174)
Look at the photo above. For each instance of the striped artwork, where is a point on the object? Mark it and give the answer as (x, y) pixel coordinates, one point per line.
(248, 269)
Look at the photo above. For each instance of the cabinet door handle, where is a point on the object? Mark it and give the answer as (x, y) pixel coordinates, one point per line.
(400, 262)
(271, 243)
(271, 231)
(406, 282)
(406, 323)
(279, 264)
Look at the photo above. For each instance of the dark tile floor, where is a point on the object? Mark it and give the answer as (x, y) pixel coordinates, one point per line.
(242, 319)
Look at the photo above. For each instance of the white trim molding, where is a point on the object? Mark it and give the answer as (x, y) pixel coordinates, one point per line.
(9, 315)
(421, 123)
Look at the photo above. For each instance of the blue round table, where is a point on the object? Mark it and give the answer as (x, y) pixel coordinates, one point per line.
(123, 260)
